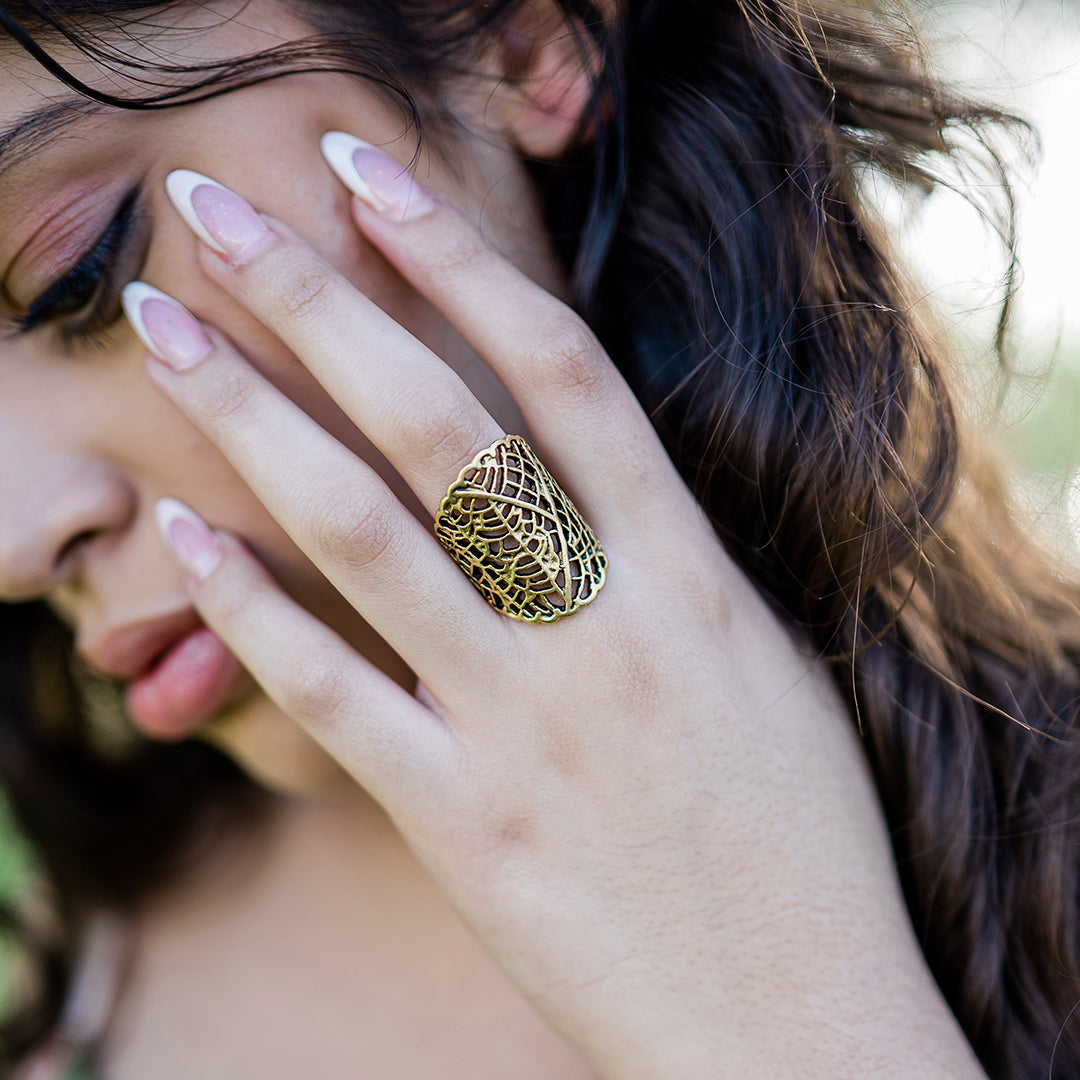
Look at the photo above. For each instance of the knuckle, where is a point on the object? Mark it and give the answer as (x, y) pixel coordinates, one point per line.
(232, 605)
(635, 671)
(317, 689)
(306, 292)
(438, 423)
(237, 598)
(356, 536)
(501, 833)
(570, 361)
(712, 606)
(229, 396)
(510, 832)
(563, 749)
(460, 257)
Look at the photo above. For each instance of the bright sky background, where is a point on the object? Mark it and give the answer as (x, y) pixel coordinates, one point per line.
(1025, 57)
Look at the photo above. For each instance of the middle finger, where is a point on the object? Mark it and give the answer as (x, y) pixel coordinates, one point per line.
(408, 401)
(332, 503)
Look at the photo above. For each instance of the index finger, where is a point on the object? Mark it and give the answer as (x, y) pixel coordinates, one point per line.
(587, 424)
(412, 405)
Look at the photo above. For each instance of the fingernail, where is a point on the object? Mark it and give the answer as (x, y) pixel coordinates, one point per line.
(218, 216)
(167, 328)
(375, 177)
(188, 537)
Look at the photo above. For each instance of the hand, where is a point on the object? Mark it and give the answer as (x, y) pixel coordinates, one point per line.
(654, 813)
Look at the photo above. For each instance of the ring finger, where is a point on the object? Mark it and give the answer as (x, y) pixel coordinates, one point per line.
(332, 503)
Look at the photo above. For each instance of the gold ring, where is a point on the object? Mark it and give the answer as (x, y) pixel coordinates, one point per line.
(518, 537)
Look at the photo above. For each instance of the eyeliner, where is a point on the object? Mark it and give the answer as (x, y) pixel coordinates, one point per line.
(92, 268)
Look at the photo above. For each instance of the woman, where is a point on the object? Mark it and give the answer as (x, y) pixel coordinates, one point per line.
(357, 821)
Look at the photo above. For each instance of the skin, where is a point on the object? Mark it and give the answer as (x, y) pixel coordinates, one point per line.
(672, 852)
(53, 402)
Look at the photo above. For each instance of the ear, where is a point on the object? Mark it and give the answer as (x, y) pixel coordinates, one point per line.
(545, 62)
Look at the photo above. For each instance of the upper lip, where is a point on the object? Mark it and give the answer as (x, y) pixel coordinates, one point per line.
(125, 651)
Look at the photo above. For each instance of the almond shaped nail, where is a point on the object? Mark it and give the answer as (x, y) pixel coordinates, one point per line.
(375, 177)
(219, 217)
(165, 326)
(188, 537)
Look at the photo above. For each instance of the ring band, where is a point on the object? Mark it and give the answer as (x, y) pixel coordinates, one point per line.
(518, 537)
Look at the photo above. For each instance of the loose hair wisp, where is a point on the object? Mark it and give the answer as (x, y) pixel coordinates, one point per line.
(712, 223)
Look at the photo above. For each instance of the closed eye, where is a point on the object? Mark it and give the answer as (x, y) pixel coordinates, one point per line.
(86, 299)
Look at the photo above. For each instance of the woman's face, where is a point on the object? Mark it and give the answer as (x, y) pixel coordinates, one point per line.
(87, 444)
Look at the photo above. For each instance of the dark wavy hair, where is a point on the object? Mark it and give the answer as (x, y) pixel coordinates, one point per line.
(714, 231)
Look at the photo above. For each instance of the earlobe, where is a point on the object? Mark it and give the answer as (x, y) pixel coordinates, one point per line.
(547, 67)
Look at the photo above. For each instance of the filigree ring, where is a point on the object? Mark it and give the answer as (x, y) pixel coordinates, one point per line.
(518, 536)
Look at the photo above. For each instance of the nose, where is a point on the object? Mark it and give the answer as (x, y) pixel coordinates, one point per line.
(50, 509)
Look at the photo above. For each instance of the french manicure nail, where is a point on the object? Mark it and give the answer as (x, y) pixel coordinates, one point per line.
(188, 537)
(375, 177)
(218, 216)
(167, 328)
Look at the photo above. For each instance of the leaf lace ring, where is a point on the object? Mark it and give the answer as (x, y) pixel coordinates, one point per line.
(518, 537)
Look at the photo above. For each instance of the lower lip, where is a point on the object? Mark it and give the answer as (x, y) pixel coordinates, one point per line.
(184, 688)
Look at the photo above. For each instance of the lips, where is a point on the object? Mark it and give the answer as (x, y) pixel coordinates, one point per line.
(126, 651)
(185, 686)
(179, 671)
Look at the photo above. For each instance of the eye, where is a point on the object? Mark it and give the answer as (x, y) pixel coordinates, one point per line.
(78, 293)
(86, 300)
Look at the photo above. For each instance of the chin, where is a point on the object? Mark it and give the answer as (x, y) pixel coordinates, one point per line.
(275, 751)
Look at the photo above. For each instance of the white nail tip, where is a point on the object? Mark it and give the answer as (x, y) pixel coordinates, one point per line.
(168, 510)
(133, 296)
(179, 184)
(200, 554)
(338, 148)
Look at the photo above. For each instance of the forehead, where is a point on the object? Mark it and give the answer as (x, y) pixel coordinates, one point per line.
(43, 120)
(37, 109)
(142, 57)
(61, 153)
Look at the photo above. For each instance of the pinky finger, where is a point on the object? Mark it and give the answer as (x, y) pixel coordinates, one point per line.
(397, 749)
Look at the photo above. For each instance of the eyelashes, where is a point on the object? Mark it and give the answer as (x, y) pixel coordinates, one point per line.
(86, 300)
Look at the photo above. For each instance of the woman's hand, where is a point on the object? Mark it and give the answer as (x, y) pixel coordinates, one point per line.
(654, 812)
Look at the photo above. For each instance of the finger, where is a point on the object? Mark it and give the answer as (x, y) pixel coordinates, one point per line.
(397, 749)
(588, 426)
(405, 399)
(333, 504)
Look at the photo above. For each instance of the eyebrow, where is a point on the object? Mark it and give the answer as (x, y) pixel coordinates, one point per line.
(26, 134)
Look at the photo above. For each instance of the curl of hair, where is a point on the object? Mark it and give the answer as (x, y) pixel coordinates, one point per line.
(716, 239)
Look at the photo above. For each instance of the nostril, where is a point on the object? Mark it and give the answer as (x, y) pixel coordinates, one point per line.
(55, 515)
(73, 545)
